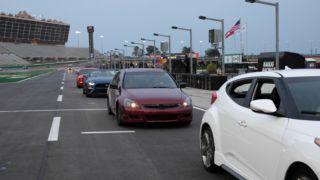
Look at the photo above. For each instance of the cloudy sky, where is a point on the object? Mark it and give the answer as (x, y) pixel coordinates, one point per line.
(127, 20)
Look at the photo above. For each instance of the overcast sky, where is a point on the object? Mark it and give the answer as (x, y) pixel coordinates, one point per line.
(121, 20)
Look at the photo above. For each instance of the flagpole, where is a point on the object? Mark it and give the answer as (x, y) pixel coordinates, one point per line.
(241, 48)
(247, 47)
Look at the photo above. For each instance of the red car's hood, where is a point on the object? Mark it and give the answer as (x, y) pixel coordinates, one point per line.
(156, 96)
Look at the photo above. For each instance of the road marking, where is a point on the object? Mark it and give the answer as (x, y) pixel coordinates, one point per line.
(64, 76)
(61, 88)
(62, 82)
(108, 132)
(60, 98)
(51, 110)
(54, 131)
(199, 108)
(33, 77)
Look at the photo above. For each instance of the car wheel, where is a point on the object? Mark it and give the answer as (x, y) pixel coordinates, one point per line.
(87, 94)
(118, 117)
(303, 174)
(207, 150)
(109, 109)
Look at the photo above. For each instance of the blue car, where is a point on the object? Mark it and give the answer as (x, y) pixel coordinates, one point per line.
(97, 82)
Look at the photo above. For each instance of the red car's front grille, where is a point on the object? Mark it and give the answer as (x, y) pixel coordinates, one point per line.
(160, 117)
(161, 106)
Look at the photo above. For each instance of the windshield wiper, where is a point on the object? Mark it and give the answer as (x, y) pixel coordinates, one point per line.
(310, 112)
(160, 87)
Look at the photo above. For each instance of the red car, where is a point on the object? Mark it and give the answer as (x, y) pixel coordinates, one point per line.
(80, 75)
(148, 95)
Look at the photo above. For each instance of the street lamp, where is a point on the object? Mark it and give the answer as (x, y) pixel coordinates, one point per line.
(154, 48)
(78, 35)
(169, 37)
(222, 41)
(276, 5)
(190, 31)
(142, 51)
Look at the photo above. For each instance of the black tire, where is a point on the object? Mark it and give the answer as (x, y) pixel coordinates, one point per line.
(118, 117)
(207, 150)
(109, 109)
(303, 174)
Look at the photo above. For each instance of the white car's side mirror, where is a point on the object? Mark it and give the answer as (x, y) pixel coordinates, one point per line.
(263, 105)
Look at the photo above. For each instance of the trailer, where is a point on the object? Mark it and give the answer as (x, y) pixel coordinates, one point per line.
(266, 61)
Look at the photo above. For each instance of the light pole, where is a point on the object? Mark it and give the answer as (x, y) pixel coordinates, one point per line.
(169, 37)
(101, 37)
(78, 37)
(190, 32)
(222, 39)
(276, 5)
(123, 52)
(142, 51)
(154, 48)
(200, 48)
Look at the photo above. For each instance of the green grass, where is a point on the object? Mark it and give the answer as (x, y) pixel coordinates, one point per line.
(8, 77)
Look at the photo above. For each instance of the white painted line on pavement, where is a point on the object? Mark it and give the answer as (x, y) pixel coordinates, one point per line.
(109, 132)
(60, 98)
(64, 76)
(199, 108)
(62, 82)
(33, 77)
(54, 131)
(61, 88)
(51, 110)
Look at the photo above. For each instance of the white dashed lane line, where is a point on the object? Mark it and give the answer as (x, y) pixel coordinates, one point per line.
(199, 108)
(61, 88)
(60, 98)
(54, 131)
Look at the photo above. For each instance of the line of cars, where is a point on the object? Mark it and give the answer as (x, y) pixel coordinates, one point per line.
(263, 125)
(138, 95)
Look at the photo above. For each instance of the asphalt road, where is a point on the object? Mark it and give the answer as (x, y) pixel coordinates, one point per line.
(44, 136)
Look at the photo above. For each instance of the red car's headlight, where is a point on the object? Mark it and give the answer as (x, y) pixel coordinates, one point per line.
(128, 103)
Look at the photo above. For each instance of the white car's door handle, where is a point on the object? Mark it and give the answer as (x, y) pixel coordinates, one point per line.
(242, 123)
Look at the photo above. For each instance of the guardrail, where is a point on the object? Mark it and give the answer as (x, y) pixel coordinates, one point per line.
(39, 65)
(201, 81)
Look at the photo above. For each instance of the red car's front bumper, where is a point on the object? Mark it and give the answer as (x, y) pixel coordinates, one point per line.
(156, 115)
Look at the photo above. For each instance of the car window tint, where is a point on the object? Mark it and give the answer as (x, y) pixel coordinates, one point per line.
(238, 91)
(306, 96)
(115, 80)
(134, 80)
(266, 89)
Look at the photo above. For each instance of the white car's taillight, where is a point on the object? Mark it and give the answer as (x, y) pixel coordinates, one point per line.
(214, 97)
(317, 141)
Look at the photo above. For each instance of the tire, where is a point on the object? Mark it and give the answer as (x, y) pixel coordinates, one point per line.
(207, 151)
(109, 109)
(118, 117)
(303, 174)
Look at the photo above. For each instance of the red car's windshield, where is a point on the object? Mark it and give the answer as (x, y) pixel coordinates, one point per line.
(134, 80)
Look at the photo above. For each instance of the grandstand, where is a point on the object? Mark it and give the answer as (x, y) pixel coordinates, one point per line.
(25, 39)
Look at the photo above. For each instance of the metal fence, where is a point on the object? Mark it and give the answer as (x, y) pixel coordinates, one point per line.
(201, 81)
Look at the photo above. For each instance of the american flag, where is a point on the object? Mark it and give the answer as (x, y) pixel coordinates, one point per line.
(233, 29)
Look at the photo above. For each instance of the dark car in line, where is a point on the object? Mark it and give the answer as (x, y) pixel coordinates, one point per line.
(97, 82)
(148, 96)
(81, 75)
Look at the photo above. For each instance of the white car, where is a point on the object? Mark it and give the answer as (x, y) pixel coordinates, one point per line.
(265, 125)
